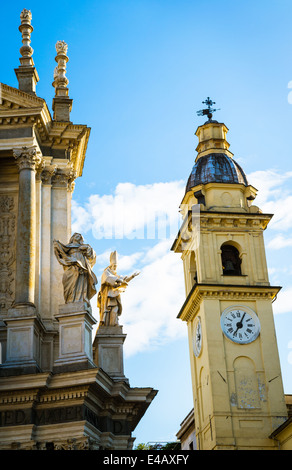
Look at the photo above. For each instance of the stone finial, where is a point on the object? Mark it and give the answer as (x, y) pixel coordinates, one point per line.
(61, 47)
(26, 29)
(62, 104)
(26, 74)
(60, 80)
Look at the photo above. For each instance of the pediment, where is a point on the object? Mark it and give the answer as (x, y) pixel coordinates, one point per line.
(8, 105)
(21, 109)
(11, 99)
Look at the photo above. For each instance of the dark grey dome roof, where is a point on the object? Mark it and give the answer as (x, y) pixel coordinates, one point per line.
(216, 168)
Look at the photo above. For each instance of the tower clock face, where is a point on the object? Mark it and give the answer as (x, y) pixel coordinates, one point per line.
(197, 337)
(240, 324)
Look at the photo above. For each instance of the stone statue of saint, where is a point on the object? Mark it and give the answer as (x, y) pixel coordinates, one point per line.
(77, 260)
(109, 299)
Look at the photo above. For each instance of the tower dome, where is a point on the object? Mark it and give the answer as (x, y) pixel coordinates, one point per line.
(214, 162)
(216, 168)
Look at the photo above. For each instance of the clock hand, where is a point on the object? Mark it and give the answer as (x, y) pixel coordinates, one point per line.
(239, 324)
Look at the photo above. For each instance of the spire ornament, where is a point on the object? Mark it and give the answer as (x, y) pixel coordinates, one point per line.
(26, 73)
(209, 110)
(62, 104)
(26, 29)
(60, 80)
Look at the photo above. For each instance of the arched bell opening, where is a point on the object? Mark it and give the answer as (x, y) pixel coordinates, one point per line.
(231, 261)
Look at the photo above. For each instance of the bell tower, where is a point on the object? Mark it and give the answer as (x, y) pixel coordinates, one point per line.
(236, 375)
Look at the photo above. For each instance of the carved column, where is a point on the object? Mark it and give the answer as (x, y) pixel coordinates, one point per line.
(46, 241)
(7, 251)
(38, 186)
(26, 159)
(24, 328)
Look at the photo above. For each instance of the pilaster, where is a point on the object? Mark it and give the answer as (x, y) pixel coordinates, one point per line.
(38, 186)
(24, 328)
(26, 159)
(46, 240)
(62, 184)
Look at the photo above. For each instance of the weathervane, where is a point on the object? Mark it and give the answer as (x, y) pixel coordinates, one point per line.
(209, 111)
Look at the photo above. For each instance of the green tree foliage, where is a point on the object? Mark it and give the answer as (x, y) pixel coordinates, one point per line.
(159, 446)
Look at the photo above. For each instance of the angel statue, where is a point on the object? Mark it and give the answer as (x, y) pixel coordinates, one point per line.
(109, 299)
(77, 260)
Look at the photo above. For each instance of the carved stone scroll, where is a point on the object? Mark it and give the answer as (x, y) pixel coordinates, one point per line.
(7, 250)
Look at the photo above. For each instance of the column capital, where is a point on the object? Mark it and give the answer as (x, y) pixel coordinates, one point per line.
(39, 168)
(64, 177)
(47, 174)
(27, 158)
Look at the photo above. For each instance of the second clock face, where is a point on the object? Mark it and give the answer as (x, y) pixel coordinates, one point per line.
(197, 337)
(240, 324)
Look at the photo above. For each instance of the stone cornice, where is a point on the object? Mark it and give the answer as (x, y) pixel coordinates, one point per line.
(15, 397)
(234, 221)
(88, 391)
(25, 381)
(20, 97)
(21, 109)
(223, 292)
(59, 395)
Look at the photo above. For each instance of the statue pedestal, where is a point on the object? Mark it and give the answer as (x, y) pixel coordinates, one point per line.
(108, 351)
(24, 333)
(75, 337)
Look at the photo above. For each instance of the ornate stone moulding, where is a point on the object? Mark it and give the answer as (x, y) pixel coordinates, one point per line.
(22, 109)
(250, 221)
(232, 292)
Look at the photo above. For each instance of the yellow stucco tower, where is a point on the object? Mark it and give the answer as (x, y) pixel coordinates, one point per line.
(236, 377)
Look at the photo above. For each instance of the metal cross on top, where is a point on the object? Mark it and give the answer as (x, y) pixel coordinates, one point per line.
(209, 111)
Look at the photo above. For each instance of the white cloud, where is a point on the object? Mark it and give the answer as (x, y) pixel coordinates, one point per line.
(152, 300)
(133, 211)
(283, 303)
(151, 211)
(273, 197)
(289, 358)
(268, 182)
(80, 218)
(126, 262)
(279, 242)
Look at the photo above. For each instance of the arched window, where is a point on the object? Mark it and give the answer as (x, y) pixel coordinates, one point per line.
(193, 269)
(231, 262)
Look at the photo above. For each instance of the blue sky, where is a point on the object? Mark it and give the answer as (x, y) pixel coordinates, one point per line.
(138, 72)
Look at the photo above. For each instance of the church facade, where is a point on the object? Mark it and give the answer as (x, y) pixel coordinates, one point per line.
(239, 402)
(54, 394)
